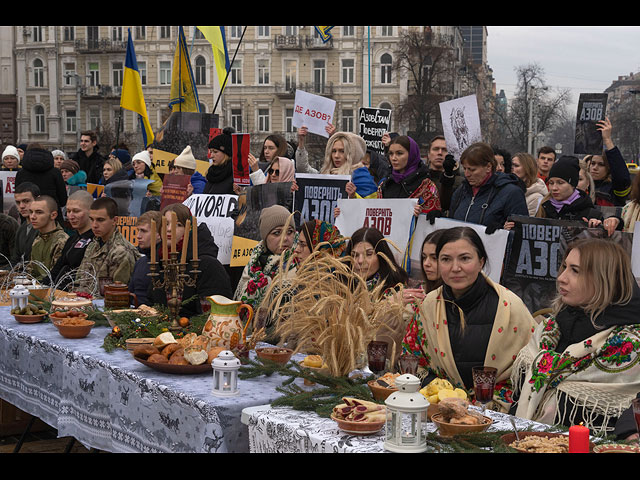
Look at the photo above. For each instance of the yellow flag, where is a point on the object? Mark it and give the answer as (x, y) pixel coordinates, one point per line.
(184, 94)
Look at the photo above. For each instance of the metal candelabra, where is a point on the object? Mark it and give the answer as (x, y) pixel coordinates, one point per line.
(172, 277)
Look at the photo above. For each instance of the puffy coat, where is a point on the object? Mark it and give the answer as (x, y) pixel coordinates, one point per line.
(496, 200)
(37, 167)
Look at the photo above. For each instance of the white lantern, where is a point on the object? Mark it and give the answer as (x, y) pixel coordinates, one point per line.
(225, 374)
(406, 412)
(19, 296)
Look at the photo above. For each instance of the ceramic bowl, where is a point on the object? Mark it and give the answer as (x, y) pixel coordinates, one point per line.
(379, 392)
(275, 354)
(616, 448)
(74, 331)
(450, 429)
(509, 438)
(30, 318)
(358, 428)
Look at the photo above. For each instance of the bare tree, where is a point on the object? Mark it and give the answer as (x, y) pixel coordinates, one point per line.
(427, 61)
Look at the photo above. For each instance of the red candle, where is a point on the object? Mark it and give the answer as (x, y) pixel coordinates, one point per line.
(578, 439)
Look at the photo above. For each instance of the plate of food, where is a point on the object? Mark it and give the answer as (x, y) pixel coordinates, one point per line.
(455, 418)
(383, 386)
(539, 442)
(359, 417)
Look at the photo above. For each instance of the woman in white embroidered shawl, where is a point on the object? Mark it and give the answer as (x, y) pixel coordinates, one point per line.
(582, 362)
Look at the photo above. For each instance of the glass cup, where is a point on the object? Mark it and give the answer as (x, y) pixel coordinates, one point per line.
(408, 363)
(484, 383)
(377, 356)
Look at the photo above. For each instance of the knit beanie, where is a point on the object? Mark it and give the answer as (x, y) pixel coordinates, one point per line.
(566, 168)
(185, 159)
(144, 157)
(122, 155)
(11, 151)
(70, 165)
(271, 218)
(223, 142)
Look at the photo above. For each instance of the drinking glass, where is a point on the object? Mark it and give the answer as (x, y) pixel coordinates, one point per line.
(484, 382)
(377, 356)
(408, 363)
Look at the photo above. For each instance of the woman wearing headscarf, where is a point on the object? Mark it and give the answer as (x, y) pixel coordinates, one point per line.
(409, 176)
(281, 170)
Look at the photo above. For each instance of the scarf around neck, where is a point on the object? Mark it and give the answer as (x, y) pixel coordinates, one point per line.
(558, 204)
(412, 164)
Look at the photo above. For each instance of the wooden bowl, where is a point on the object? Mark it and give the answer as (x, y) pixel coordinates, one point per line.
(450, 429)
(74, 331)
(509, 438)
(432, 409)
(379, 392)
(30, 318)
(132, 343)
(275, 354)
(358, 428)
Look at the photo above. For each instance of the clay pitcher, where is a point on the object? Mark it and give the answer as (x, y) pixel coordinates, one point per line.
(224, 327)
(117, 295)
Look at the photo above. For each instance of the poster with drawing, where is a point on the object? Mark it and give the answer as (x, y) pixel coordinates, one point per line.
(460, 124)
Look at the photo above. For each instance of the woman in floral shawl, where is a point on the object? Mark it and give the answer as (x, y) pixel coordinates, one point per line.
(582, 363)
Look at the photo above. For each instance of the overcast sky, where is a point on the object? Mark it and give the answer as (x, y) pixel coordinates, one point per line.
(584, 59)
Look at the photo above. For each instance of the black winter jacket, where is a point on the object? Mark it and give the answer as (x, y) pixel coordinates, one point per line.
(581, 208)
(37, 167)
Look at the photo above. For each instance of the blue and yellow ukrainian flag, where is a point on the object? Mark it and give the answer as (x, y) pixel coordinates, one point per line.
(324, 33)
(131, 97)
(216, 37)
(184, 94)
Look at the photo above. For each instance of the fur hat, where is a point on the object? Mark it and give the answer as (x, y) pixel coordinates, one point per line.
(144, 157)
(272, 217)
(185, 159)
(568, 169)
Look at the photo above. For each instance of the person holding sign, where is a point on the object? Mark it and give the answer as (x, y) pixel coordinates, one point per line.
(220, 173)
(486, 197)
(470, 320)
(609, 171)
(581, 364)
(409, 176)
(281, 170)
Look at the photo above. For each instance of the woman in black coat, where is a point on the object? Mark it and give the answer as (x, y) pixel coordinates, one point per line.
(38, 168)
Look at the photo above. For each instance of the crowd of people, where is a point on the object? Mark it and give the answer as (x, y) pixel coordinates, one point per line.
(579, 363)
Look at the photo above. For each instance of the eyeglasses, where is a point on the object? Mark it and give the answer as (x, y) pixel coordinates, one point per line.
(275, 173)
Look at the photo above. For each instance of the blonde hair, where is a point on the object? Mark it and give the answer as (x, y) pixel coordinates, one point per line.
(584, 168)
(115, 164)
(530, 167)
(345, 169)
(605, 265)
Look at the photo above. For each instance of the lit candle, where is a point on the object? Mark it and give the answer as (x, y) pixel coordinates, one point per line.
(185, 241)
(174, 224)
(153, 241)
(165, 252)
(578, 439)
(195, 238)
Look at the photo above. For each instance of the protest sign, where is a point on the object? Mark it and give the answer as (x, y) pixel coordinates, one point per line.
(392, 217)
(250, 205)
(494, 244)
(8, 180)
(95, 189)
(317, 196)
(216, 212)
(461, 124)
(174, 189)
(181, 129)
(313, 111)
(591, 110)
(127, 225)
(373, 123)
(240, 158)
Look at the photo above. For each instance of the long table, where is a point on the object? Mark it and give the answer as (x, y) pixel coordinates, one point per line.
(111, 402)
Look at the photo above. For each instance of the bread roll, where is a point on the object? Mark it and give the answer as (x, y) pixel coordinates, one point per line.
(213, 353)
(169, 349)
(157, 358)
(164, 339)
(145, 351)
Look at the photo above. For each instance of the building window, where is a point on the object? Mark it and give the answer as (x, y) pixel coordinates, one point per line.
(348, 70)
(141, 33)
(142, 68)
(37, 34)
(38, 73)
(263, 72)
(235, 75)
(264, 32)
(165, 73)
(348, 120)
(235, 32)
(348, 31)
(288, 120)
(290, 75)
(69, 34)
(117, 71)
(94, 119)
(71, 121)
(236, 119)
(69, 71)
(319, 76)
(116, 34)
(263, 120)
(38, 113)
(94, 74)
(386, 63)
(291, 30)
(386, 31)
(165, 32)
(201, 71)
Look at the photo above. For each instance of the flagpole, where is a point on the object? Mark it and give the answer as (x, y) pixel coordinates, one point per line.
(228, 71)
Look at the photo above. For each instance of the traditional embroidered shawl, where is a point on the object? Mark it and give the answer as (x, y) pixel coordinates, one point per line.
(630, 215)
(597, 378)
(512, 327)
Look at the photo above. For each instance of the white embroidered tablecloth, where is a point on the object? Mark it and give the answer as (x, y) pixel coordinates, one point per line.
(111, 402)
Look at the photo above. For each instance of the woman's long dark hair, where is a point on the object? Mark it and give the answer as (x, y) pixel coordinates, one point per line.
(432, 239)
(463, 233)
(391, 274)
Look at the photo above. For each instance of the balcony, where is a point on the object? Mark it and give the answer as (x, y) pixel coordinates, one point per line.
(298, 42)
(102, 45)
(288, 90)
(101, 92)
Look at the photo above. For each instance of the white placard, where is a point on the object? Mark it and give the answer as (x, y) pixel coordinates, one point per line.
(212, 210)
(8, 187)
(313, 111)
(392, 216)
(461, 124)
(495, 244)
